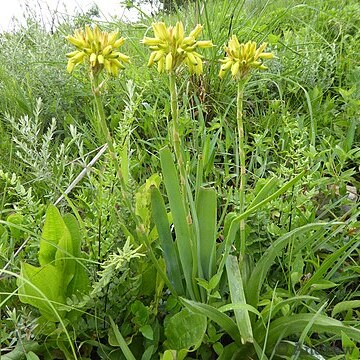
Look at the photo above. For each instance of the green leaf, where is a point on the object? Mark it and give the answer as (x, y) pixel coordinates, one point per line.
(143, 199)
(329, 265)
(174, 355)
(224, 321)
(185, 330)
(262, 267)
(287, 350)
(148, 353)
(295, 324)
(20, 350)
(16, 232)
(241, 306)
(43, 288)
(166, 241)
(345, 306)
(237, 295)
(206, 209)
(118, 340)
(266, 190)
(32, 356)
(53, 232)
(323, 284)
(73, 228)
(80, 282)
(147, 332)
(184, 242)
(234, 226)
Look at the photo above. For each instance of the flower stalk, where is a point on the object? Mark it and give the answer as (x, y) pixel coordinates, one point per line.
(175, 132)
(171, 50)
(242, 158)
(241, 59)
(99, 50)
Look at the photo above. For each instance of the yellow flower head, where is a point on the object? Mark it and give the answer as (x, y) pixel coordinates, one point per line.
(241, 58)
(99, 49)
(171, 48)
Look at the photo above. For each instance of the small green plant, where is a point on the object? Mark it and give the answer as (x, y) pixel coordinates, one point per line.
(61, 274)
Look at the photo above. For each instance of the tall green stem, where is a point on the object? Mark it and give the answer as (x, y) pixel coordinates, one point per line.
(184, 184)
(241, 135)
(176, 135)
(104, 128)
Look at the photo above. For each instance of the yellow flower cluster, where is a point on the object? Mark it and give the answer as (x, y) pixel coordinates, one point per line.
(99, 49)
(241, 58)
(171, 48)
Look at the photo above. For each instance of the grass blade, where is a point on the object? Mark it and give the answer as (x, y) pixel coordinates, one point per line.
(295, 324)
(262, 267)
(237, 295)
(121, 341)
(236, 221)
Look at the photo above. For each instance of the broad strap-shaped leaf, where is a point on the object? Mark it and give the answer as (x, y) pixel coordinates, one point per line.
(166, 241)
(237, 295)
(185, 330)
(42, 287)
(206, 208)
(184, 241)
